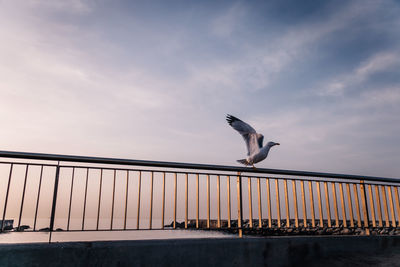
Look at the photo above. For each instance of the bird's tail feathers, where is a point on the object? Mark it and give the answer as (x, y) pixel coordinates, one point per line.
(244, 162)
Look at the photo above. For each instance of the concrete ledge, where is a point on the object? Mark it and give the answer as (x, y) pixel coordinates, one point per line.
(277, 251)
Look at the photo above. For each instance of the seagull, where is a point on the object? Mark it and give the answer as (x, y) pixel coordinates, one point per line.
(256, 152)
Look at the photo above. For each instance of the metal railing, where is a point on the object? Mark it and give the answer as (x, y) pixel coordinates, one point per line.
(47, 192)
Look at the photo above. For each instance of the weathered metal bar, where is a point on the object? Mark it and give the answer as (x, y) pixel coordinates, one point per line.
(269, 204)
(343, 205)
(197, 201)
(396, 194)
(239, 204)
(116, 161)
(391, 206)
(310, 189)
(228, 189)
(126, 198)
(6, 199)
(70, 197)
(364, 207)
(335, 207)
(138, 202)
(321, 215)
(378, 206)
(98, 206)
(385, 207)
(163, 203)
(208, 201)
(350, 205)
(357, 205)
(278, 205)
(186, 200)
(259, 203)
(23, 197)
(175, 198)
(53, 206)
(219, 202)
(286, 203)
(303, 199)
(328, 208)
(296, 215)
(250, 203)
(84, 200)
(37, 198)
(371, 202)
(113, 199)
(151, 201)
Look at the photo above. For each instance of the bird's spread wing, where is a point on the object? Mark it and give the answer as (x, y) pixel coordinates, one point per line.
(260, 139)
(248, 133)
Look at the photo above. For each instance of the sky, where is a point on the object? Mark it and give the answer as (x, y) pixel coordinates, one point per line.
(154, 80)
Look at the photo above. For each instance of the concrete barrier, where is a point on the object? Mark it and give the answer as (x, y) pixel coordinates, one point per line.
(277, 251)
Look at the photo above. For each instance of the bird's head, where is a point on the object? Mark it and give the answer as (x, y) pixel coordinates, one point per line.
(270, 144)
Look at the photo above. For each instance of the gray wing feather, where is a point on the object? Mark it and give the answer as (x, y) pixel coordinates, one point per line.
(248, 133)
(260, 140)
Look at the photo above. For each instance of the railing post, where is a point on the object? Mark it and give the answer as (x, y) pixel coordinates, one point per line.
(53, 207)
(365, 207)
(239, 204)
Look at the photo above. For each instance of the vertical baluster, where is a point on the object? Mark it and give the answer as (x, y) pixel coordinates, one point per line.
(126, 198)
(328, 209)
(385, 207)
(219, 202)
(113, 199)
(54, 204)
(70, 197)
(357, 205)
(6, 200)
(37, 198)
(23, 196)
(310, 189)
(396, 195)
(371, 202)
(286, 203)
(138, 205)
(99, 203)
(208, 201)
(250, 203)
(259, 203)
(350, 205)
(335, 204)
(378, 206)
(151, 200)
(391, 206)
(343, 205)
(175, 198)
(197, 201)
(321, 215)
(228, 189)
(186, 201)
(303, 199)
(163, 203)
(278, 205)
(364, 207)
(239, 204)
(296, 215)
(84, 200)
(269, 203)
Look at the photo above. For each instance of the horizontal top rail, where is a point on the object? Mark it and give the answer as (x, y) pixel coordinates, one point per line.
(179, 165)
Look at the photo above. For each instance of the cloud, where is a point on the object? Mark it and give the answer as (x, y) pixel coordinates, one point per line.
(380, 62)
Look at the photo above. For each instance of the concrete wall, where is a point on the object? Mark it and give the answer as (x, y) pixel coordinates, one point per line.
(278, 251)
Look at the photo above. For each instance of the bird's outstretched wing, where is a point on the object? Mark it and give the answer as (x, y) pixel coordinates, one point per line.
(250, 136)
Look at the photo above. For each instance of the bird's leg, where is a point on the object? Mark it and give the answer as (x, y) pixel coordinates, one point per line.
(253, 166)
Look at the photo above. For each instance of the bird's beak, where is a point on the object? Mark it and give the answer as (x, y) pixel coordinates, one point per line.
(278, 144)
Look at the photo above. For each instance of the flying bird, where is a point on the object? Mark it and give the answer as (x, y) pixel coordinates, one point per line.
(256, 152)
